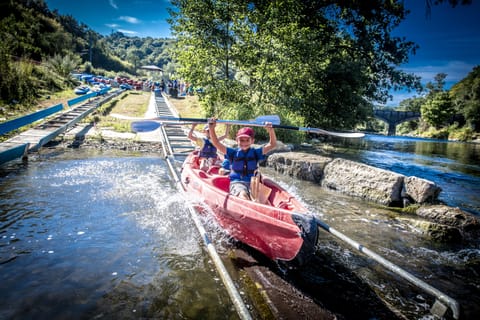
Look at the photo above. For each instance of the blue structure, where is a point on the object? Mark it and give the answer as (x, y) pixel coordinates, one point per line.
(14, 124)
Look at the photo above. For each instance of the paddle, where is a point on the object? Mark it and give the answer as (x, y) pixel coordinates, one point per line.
(322, 131)
(145, 125)
(150, 125)
(275, 120)
(258, 122)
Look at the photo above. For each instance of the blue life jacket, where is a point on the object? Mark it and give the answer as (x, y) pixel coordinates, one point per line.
(208, 150)
(243, 164)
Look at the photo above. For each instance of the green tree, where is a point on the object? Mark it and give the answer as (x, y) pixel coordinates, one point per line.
(466, 97)
(438, 84)
(64, 65)
(437, 110)
(317, 62)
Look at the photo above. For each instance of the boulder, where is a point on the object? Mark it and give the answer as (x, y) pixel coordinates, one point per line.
(299, 165)
(449, 216)
(355, 179)
(438, 232)
(360, 180)
(443, 223)
(421, 190)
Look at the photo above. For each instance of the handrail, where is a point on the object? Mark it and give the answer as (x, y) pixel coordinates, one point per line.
(14, 124)
(237, 301)
(76, 100)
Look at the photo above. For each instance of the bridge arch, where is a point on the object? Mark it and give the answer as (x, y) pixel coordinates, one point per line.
(394, 118)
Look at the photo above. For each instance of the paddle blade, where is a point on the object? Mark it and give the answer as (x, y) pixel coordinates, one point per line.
(145, 126)
(340, 134)
(273, 118)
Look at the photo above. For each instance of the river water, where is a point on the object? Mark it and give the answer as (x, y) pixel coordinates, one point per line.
(87, 234)
(454, 166)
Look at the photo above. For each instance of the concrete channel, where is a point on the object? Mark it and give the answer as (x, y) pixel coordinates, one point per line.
(33, 139)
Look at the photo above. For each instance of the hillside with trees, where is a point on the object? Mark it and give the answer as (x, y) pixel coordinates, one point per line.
(39, 49)
(316, 63)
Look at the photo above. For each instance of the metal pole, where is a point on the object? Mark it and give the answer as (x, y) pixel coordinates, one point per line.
(452, 303)
(240, 306)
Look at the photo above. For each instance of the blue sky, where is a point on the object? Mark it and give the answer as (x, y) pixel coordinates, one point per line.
(449, 39)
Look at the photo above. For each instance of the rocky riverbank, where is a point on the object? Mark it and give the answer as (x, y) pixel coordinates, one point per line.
(412, 199)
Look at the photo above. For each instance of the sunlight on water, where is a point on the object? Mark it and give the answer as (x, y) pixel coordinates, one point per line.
(461, 257)
(101, 237)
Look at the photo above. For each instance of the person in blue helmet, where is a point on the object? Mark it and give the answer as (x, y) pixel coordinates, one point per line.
(208, 152)
(243, 159)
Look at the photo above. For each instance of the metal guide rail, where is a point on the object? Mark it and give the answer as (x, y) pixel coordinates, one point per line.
(171, 142)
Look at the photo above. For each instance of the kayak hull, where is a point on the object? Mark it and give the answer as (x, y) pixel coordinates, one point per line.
(282, 229)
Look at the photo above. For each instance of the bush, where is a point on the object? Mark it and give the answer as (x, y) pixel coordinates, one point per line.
(461, 134)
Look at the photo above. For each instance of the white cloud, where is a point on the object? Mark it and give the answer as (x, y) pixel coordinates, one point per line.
(127, 31)
(455, 70)
(128, 19)
(112, 25)
(113, 4)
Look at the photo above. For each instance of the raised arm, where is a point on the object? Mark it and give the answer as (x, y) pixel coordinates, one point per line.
(212, 122)
(190, 133)
(272, 143)
(227, 128)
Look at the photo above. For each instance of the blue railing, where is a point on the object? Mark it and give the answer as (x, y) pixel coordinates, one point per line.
(14, 124)
(76, 100)
(79, 99)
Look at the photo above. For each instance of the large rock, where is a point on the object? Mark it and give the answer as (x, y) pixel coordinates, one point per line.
(453, 217)
(444, 223)
(299, 165)
(363, 181)
(421, 190)
(437, 231)
(355, 179)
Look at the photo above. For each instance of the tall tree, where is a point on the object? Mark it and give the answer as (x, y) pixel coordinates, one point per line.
(320, 62)
(437, 110)
(466, 97)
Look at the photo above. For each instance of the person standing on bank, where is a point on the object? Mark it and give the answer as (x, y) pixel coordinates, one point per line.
(243, 159)
(208, 152)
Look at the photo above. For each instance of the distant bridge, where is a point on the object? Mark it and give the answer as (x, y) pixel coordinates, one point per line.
(394, 118)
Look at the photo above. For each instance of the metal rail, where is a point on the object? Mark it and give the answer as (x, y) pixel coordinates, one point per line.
(237, 301)
(438, 308)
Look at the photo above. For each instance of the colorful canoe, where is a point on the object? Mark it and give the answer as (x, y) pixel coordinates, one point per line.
(282, 229)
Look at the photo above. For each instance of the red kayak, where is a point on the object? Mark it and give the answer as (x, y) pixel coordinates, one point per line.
(281, 228)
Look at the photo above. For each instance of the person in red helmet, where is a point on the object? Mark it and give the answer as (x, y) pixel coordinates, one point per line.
(243, 159)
